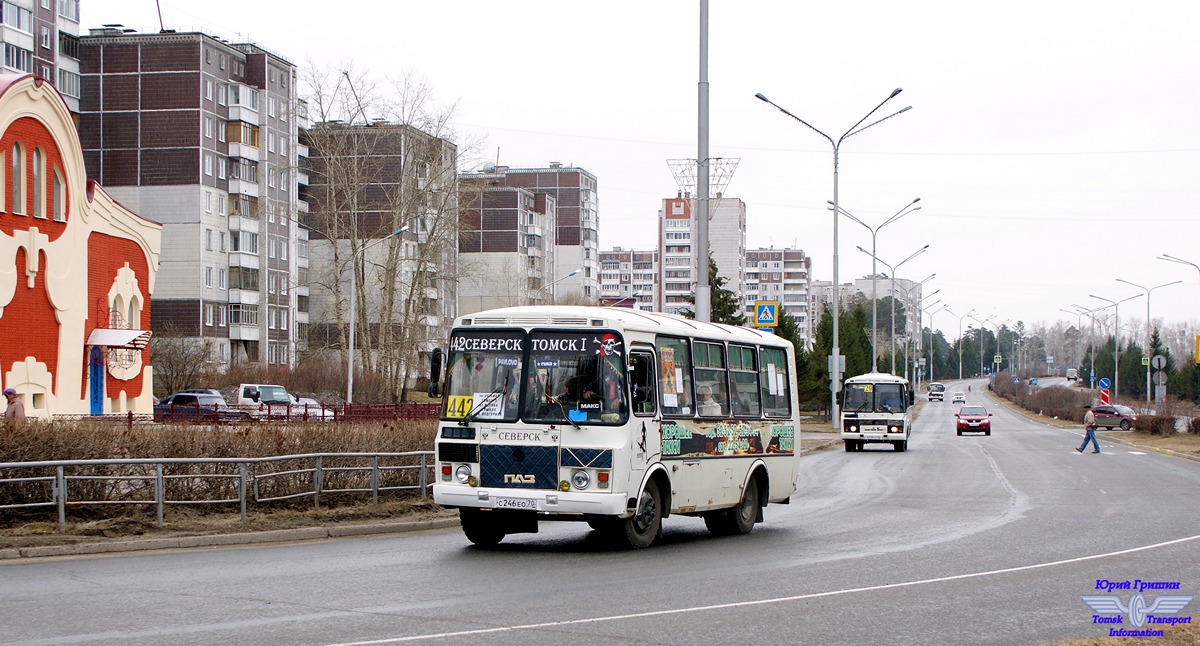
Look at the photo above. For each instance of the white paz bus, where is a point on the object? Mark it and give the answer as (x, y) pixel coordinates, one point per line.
(875, 409)
(616, 417)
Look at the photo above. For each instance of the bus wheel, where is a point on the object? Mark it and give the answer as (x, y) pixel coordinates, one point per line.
(902, 446)
(479, 527)
(640, 530)
(739, 520)
(849, 446)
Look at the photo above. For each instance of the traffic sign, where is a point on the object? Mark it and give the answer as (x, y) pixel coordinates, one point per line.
(1158, 362)
(1104, 383)
(1160, 378)
(997, 359)
(766, 313)
(1033, 381)
(1103, 395)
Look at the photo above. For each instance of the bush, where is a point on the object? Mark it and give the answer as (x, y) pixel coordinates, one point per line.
(1057, 401)
(1163, 425)
(1194, 426)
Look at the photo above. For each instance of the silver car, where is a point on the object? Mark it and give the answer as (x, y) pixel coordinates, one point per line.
(958, 398)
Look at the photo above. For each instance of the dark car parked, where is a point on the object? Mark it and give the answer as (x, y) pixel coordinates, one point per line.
(1112, 416)
(197, 406)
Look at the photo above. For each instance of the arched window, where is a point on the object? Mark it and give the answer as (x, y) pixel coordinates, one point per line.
(115, 314)
(59, 206)
(39, 183)
(18, 179)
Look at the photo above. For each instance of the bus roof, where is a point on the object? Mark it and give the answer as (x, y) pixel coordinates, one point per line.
(876, 378)
(623, 318)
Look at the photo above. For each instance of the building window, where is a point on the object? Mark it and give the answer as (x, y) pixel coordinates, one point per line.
(207, 202)
(283, 318)
(283, 248)
(39, 183)
(208, 239)
(17, 58)
(69, 9)
(68, 83)
(208, 278)
(18, 179)
(45, 38)
(221, 284)
(208, 165)
(18, 17)
(221, 130)
(221, 89)
(221, 242)
(224, 322)
(207, 84)
(208, 127)
(221, 207)
(59, 206)
(270, 142)
(221, 166)
(208, 315)
(271, 107)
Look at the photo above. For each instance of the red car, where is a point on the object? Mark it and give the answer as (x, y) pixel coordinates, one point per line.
(974, 419)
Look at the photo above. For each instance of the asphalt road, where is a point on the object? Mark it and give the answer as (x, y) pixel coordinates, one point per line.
(960, 540)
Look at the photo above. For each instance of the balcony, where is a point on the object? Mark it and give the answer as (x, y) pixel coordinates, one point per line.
(244, 333)
(244, 151)
(244, 259)
(242, 187)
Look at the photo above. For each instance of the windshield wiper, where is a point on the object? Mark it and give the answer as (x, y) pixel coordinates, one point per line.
(485, 402)
(567, 416)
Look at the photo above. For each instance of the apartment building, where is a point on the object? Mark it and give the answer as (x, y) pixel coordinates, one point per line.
(629, 277)
(782, 276)
(727, 246)
(574, 270)
(200, 134)
(506, 245)
(380, 202)
(42, 37)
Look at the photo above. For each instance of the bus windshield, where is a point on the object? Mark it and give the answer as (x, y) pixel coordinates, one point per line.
(875, 398)
(483, 375)
(576, 377)
(547, 376)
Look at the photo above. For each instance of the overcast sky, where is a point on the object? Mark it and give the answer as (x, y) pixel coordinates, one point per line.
(1055, 144)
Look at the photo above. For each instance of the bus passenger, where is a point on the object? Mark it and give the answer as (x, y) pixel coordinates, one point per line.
(705, 404)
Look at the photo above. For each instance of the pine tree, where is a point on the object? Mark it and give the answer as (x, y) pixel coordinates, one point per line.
(725, 306)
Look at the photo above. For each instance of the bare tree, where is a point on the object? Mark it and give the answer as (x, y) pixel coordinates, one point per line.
(383, 161)
(180, 360)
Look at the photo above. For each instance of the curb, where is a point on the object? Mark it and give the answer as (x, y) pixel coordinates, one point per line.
(222, 540)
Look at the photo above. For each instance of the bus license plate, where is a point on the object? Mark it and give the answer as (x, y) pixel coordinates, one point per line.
(516, 503)
(874, 429)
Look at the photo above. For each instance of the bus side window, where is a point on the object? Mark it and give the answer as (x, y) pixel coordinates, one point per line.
(641, 382)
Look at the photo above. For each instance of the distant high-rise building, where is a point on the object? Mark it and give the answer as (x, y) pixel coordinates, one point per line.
(574, 269)
(629, 275)
(506, 245)
(680, 267)
(43, 38)
(782, 276)
(201, 135)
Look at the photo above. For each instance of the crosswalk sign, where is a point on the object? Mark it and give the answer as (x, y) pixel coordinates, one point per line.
(766, 313)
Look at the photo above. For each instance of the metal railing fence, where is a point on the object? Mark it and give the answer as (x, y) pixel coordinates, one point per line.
(209, 481)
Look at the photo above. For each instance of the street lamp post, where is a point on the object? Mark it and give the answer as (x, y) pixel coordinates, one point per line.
(1091, 341)
(892, 295)
(908, 340)
(835, 376)
(960, 339)
(353, 314)
(908, 208)
(943, 308)
(1116, 305)
(1078, 325)
(1148, 290)
(982, 325)
(543, 288)
(1170, 258)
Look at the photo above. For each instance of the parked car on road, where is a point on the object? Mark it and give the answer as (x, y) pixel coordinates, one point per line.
(958, 398)
(973, 419)
(186, 406)
(1112, 416)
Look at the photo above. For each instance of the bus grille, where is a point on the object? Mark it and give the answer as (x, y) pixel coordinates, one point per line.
(518, 463)
(454, 452)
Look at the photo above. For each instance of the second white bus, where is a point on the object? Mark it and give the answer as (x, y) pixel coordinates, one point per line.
(875, 409)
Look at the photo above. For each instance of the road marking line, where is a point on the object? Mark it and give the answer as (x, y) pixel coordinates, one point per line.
(759, 602)
(1137, 453)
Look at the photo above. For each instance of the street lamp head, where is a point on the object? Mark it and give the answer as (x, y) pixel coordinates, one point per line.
(896, 91)
(762, 97)
(916, 200)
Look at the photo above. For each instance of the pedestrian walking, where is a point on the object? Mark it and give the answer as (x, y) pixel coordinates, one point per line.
(1089, 426)
(16, 408)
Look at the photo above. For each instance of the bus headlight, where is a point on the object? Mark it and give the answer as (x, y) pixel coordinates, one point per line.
(581, 479)
(463, 473)
(852, 428)
(895, 429)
